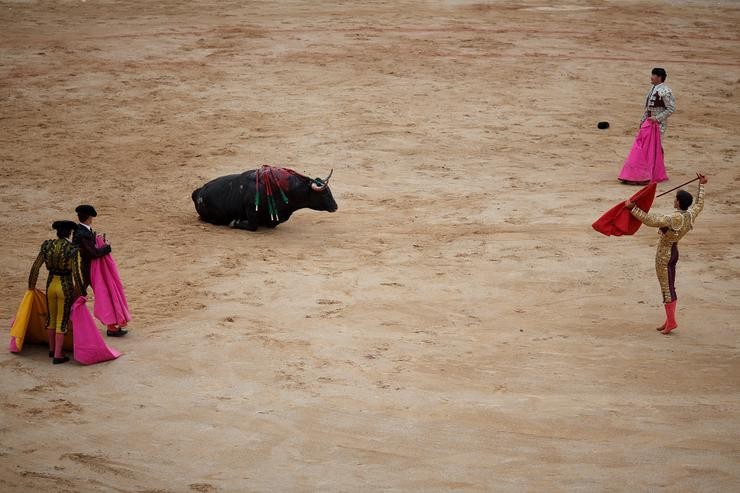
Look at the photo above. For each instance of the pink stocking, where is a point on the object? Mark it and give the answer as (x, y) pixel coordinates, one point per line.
(51, 333)
(59, 340)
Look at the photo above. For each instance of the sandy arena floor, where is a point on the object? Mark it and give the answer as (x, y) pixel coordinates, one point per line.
(456, 326)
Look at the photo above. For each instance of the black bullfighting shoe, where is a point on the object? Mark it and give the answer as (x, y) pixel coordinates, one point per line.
(116, 333)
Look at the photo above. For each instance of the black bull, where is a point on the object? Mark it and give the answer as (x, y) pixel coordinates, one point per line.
(233, 199)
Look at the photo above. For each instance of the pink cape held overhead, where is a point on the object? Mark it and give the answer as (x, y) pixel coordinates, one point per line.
(645, 162)
(110, 307)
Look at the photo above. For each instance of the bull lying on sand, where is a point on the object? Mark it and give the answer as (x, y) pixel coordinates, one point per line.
(261, 197)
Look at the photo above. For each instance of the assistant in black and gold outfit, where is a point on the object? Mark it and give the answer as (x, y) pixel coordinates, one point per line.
(63, 285)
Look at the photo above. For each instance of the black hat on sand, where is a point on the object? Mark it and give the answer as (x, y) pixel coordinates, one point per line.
(603, 125)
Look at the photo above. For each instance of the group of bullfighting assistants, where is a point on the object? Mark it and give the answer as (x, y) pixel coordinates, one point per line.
(78, 258)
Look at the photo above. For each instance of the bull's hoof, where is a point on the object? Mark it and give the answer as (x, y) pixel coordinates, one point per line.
(243, 224)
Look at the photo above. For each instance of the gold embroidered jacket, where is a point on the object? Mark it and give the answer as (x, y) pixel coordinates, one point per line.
(61, 257)
(672, 226)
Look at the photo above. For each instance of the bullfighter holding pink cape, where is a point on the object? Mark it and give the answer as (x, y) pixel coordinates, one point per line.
(61, 311)
(645, 161)
(110, 306)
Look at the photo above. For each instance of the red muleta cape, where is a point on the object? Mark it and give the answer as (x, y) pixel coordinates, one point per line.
(618, 220)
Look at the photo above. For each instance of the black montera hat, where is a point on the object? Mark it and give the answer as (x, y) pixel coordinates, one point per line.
(86, 210)
(603, 125)
(64, 225)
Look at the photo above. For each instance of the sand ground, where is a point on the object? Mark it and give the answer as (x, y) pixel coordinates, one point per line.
(455, 326)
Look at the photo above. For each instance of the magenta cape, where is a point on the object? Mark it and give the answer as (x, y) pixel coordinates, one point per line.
(89, 347)
(82, 337)
(110, 305)
(618, 220)
(645, 160)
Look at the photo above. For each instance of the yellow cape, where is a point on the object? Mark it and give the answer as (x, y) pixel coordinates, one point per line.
(30, 321)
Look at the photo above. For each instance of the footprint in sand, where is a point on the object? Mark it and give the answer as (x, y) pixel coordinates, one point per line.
(202, 487)
(328, 302)
(99, 464)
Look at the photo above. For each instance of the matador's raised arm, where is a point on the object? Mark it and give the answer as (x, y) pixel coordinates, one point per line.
(698, 204)
(651, 218)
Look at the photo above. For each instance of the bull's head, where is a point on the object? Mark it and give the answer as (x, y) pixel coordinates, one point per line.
(322, 200)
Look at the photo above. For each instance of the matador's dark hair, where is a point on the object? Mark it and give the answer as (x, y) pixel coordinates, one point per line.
(660, 72)
(685, 199)
(64, 228)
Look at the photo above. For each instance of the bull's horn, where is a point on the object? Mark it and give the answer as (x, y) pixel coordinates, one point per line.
(319, 185)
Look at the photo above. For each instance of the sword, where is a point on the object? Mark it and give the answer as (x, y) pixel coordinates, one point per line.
(676, 188)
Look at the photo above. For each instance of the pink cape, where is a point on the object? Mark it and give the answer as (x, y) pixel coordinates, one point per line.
(89, 346)
(110, 305)
(619, 221)
(645, 160)
(82, 337)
